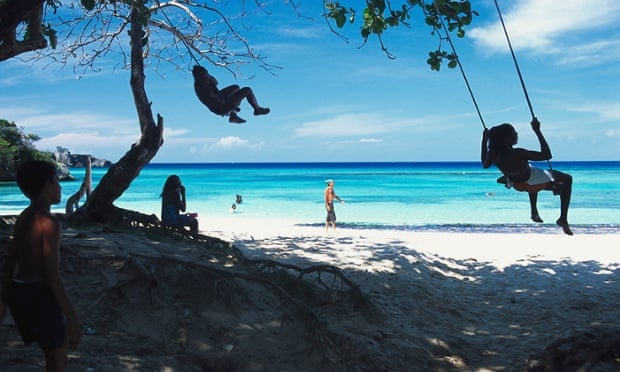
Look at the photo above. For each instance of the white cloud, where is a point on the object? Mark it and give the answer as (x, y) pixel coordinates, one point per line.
(40, 119)
(230, 142)
(562, 27)
(348, 125)
(211, 146)
(109, 147)
(84, 140)
(374, 72)
(302, 32)
(605, 110)
(9, 81)
(170, 132)
(102, 135)
(370, 140)
(592, 53)
(15, 113)
(367, 125)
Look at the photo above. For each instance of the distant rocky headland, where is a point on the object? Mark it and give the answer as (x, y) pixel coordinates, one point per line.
(64, 156)
(66, 160)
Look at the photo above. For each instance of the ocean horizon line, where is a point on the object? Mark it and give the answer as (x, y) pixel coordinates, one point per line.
(399, 162)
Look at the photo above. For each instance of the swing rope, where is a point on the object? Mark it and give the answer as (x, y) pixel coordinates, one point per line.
(514, 58)
(181, 38)
(458, 62)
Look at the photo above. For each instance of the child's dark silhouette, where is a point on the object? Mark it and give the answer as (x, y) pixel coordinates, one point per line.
(223, 102)
(32, 287)
(497, 148)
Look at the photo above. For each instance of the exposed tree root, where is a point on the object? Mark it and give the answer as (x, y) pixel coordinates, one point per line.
(301, 291)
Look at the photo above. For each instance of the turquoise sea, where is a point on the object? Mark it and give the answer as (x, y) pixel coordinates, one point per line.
(446, 196)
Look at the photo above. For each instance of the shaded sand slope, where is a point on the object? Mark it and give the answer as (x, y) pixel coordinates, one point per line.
(154, 301)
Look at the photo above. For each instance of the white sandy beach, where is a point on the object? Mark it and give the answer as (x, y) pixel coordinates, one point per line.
(280, 238)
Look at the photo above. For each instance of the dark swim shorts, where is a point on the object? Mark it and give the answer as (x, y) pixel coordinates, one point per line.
(37, 314)
(331, 214)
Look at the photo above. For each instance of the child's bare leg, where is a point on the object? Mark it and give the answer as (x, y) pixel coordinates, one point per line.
(55, 360)
(533, 207)
(230, 90)
(234, 118)
(565, 195)
(248, 94)
(565, 227)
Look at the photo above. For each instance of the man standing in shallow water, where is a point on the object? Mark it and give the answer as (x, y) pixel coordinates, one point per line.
(330, 195)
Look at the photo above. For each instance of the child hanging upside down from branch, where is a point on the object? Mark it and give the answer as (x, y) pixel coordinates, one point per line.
(497, 148)
(225, 101)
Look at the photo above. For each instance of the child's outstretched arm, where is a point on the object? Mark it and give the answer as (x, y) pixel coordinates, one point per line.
(484, 150)
(544, 146)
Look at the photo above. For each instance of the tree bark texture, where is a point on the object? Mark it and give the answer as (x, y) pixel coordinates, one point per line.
(99, 206)
(12, 13)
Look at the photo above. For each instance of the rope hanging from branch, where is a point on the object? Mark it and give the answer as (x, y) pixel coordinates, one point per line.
(514, 59)
(458, 62)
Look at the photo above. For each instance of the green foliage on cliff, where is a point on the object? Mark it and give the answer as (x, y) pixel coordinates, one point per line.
(17, 147)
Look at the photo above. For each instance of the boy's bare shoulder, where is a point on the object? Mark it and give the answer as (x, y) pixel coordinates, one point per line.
(31, 221)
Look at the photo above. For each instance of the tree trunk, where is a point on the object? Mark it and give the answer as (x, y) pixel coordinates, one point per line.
(99, 206)
(12, 13)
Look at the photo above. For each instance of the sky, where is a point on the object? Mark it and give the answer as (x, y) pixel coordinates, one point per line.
(332, 99)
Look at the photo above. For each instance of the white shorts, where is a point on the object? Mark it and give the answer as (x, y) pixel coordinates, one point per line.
(537, 176)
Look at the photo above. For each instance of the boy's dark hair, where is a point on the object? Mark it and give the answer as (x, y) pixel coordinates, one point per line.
(32, 175)
(199, 71)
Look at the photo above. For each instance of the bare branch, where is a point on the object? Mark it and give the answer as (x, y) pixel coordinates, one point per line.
(185, 10)
(177, 32)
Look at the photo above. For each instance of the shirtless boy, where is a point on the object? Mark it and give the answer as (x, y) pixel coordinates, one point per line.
(32, 288)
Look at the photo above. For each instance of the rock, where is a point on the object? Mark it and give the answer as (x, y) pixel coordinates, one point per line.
(63, 172)
(597, 349)
(64, 156)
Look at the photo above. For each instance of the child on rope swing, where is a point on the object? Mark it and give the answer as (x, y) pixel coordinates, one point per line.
(224, 101)
(513, 162)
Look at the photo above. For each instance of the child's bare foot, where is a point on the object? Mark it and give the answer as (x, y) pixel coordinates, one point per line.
(536, 218)
(564, 226)
(234, 118)
(261, 111)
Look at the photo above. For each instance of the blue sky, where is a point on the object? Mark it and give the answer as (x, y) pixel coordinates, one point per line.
(334, 101)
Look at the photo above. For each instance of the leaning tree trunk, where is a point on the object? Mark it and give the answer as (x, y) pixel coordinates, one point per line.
(99, 206)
